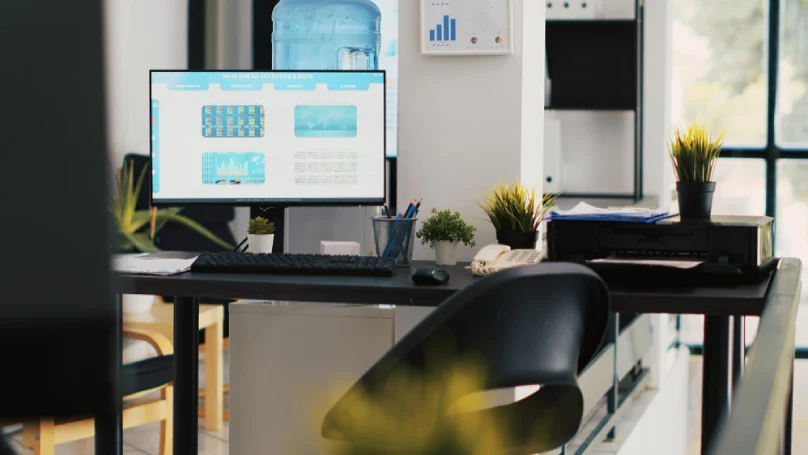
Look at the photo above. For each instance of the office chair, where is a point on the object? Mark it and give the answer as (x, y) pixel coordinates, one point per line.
(532, 325)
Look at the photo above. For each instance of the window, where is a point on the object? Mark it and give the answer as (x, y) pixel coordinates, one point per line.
(719, 76)
(792, 94)
(724, 54)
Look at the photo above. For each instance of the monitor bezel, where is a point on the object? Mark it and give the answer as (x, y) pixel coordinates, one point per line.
(286, 202)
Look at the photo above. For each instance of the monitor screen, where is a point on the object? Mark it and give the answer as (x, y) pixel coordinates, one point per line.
(253, 137)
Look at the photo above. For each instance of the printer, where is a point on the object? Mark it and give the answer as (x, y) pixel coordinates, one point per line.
(735, 247)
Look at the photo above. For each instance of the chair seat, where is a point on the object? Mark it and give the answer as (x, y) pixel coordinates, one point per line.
(146, 374)
(139, 377)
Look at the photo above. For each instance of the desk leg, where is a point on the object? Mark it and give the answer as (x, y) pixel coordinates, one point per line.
(738, 349)
(186, 374)
(109, 425)
(716, 386)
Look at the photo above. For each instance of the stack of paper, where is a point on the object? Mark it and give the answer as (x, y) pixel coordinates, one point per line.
(586, 212)
(151, 264)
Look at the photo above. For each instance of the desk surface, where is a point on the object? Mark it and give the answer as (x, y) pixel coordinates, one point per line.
(400, 290)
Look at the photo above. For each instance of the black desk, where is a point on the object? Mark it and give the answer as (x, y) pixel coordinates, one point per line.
(719, 304)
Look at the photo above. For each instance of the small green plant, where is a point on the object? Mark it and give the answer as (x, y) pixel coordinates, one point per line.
(137, 229)
(515, 208)
(446, 226)
(261, 226)
(693, 153)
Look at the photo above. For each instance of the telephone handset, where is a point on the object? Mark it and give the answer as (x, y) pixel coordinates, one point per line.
(493, 258)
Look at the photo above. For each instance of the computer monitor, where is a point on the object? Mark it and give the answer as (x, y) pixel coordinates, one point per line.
(267, 137)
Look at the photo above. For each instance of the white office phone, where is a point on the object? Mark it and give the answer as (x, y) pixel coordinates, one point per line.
(493, 258)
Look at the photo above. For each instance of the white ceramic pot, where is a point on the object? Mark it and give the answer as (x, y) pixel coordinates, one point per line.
(260, 243)
(135, 303)
(446, 253)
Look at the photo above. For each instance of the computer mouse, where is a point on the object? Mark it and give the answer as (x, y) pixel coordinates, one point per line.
(430, 276)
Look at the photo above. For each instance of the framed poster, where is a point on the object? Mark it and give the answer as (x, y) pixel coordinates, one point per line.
(466, 27)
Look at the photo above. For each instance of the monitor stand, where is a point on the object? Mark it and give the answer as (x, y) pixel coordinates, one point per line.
(277, 215)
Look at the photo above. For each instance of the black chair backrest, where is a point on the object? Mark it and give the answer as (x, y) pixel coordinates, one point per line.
(177, 237)
(533, 325)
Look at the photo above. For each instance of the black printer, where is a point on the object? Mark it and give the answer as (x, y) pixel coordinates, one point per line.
(738, 248)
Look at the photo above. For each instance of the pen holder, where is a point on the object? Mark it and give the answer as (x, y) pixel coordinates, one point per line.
(395, 238)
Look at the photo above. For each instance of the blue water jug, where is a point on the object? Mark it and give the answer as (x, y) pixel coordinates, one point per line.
(326, 35)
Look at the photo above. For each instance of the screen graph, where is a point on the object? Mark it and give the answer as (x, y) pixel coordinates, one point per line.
(233, 168)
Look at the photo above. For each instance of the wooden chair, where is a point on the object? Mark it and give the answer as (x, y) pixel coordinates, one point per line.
(138, 380)
(211, 318)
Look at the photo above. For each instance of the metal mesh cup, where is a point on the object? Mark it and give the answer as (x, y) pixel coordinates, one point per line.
(394, 238)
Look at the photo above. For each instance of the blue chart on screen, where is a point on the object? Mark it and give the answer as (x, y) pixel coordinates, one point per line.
(232, 168)
(325, 121)
(233, 121)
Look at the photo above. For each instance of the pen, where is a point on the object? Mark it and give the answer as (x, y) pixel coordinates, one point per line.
(389, 245)
(386, 211)
(418, 205)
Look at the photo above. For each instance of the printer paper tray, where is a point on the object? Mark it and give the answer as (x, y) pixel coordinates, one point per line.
(705, 274)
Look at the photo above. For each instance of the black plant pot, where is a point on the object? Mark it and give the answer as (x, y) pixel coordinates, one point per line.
(695, 200)
(518, 240)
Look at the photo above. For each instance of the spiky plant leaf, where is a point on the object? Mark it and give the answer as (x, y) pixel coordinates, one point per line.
(514, 207)
(693, 153)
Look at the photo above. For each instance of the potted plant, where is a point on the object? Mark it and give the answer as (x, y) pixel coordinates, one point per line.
(516, 213)
(444, 231)
(260, 235)
(137, 229)
(693, 154)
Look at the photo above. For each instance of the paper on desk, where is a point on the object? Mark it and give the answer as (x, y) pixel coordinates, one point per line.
(584, 209)
(151, 265)
(586, 212)
(683, 264)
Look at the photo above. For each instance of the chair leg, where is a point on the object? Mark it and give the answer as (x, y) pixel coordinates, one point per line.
(167, 425)
(214, 376)
(40, 436)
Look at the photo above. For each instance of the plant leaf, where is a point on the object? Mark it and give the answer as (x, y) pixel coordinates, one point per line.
(142, 242)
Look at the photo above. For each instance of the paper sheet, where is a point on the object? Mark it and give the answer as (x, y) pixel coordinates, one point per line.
(141, 264)
(678, 264)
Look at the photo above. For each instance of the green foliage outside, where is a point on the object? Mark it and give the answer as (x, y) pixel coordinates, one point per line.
(723, 74)
(446, 226)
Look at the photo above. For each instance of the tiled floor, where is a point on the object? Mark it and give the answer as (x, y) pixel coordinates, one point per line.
(142, 440)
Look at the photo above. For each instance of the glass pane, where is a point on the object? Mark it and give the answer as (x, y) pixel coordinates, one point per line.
(719, 75)
(740, 187)
(791, 229)
(741, 190)
(792, 90)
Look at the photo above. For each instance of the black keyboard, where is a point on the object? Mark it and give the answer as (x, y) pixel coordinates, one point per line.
(293, 264)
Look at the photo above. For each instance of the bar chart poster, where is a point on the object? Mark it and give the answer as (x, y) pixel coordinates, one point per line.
(466, 27)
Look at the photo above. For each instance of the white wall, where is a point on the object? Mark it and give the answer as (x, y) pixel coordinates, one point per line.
(656, 127)
(140, 35)
(657, 57)
(467, 122)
